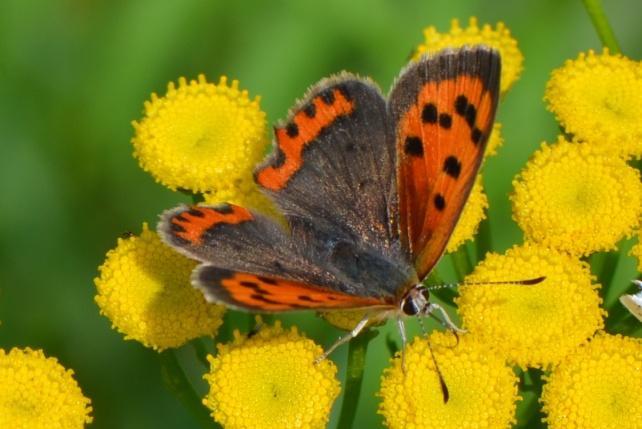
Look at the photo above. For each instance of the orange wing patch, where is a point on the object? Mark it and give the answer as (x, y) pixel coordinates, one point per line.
(192, 224)
(304, 127)
(441, 140)
(254, 292)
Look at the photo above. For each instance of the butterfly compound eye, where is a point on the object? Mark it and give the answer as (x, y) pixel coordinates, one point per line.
(409, 306)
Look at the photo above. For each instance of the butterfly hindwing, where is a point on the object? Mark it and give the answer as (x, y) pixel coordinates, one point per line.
(443, 107)
(234, 239)
(252, 292)
(333, 163)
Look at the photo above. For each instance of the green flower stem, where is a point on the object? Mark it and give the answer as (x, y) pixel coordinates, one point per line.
(528, 410)
(601, 24)
(483, 240)
(461, 262)
(176, 381)
(201, 351)
(354, 377)
(604, 266)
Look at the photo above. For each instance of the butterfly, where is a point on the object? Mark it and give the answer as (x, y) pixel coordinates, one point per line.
(370, 188)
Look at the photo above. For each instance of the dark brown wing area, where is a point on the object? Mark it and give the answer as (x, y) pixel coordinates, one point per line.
(333, 163)
(443, 107)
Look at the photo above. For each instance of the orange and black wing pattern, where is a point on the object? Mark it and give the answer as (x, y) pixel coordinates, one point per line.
(249, 261)
(443, 108)
(333, 163)
(253, 292)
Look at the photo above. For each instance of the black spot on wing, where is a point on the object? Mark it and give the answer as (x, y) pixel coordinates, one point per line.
(429, 113)
(476, 136)
(445, 121)
(310, 110)
(440, 202)
(327, 97)
(268, 280)
(452, 166)
(413, 146)
(292, 130)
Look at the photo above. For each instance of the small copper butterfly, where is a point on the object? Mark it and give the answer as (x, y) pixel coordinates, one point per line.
(370, 187)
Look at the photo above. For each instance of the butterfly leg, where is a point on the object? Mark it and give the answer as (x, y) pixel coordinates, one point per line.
(344, 339)
(445, 319)
(404, 340)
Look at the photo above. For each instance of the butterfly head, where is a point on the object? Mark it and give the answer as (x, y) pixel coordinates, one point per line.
(416, 301)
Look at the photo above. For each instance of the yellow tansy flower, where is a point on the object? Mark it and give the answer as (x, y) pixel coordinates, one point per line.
(482, 388)
(144, 289)
(495, 140)
(597, 387)
(271, 380)
(37, 392)
(471, 216)
(598, 98)
(534, 325)
(244, 193)
(498, 38)
(200, 136)
(576, 198)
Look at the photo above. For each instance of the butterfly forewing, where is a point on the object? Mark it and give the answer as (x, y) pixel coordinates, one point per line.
(443, 109)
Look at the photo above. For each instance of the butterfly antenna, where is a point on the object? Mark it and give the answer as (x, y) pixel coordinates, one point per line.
(527, 282)
(442, 382)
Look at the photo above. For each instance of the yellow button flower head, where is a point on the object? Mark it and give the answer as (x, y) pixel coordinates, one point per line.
(598, 98)
(498, 38)
(597, 387)
(144, 289)
(36, 392)
(495, 140)
(482, 388)
(533, 325)
(200, 136)
(471, 216)
(244, 193)
(576, 198)
(270, 381)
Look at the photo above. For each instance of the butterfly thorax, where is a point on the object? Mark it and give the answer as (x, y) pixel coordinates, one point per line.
(368, 271)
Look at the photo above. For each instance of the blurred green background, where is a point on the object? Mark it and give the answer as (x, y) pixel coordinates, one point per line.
(74, 74)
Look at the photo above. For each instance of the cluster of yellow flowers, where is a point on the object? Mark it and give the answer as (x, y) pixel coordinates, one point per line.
(574, 197)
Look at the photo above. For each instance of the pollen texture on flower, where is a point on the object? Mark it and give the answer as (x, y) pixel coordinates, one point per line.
(245, 193)
(575, 198)
(598, 99)
(36, 392)
(144, 290)
(599, 386)
(482, 388)
(471, 216)
(495, 140)
(271, 381)
(498, 38)
(200, 136)
(532, 325)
